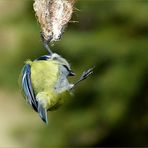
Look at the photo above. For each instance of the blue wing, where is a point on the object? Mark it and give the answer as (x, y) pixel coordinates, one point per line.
(27, 87)
(29, 92)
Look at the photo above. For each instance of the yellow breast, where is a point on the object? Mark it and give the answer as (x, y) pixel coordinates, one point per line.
(44, 75)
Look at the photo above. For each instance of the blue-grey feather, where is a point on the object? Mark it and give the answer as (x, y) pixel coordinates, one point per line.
(43, 113)
(62, 82)
(27, 87)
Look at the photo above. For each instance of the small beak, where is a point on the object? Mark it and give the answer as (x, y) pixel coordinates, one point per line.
(71, 73)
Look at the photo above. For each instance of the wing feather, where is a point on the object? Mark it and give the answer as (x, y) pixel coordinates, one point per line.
(27, 87)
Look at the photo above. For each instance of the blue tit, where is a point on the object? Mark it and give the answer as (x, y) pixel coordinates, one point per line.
(44, 82)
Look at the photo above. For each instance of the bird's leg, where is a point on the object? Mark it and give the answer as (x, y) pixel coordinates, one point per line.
(84, 75)
(45, 43)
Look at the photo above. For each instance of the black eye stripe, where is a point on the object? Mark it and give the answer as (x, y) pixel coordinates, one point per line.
(70, 72)
(66, 68)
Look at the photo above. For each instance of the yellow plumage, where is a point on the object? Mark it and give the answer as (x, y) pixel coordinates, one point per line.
(44, 76)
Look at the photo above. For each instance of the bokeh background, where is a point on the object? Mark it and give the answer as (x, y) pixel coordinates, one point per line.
(108, 109)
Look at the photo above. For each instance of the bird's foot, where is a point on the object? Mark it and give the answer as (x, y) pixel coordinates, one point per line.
(84, 75)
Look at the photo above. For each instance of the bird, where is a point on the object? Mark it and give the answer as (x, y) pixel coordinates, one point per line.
(44, 82)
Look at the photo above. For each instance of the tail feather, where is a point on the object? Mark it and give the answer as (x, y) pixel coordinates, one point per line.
(43, 113)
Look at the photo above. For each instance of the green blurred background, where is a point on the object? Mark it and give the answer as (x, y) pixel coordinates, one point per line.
(108, 109)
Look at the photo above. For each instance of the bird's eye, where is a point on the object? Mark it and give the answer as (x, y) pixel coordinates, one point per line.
(55, 58)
